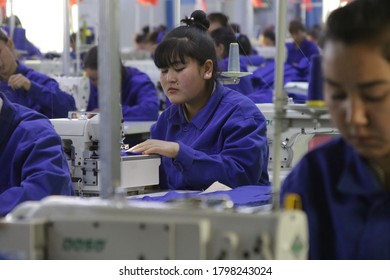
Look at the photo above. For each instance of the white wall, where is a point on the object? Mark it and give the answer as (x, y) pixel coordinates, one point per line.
(43, 21)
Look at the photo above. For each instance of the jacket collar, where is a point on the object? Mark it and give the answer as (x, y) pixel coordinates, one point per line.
(201, 118)
(357, 177)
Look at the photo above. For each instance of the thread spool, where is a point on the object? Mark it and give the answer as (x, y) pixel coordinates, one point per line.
(315, 97)
(233, 75)
(234, 58)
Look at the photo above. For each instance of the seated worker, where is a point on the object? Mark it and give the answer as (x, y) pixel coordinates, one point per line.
(30, 50)
(218, 20)
(314, 34)
(263, 82)
(301, 49)
(154, 38)
(30, 88)
(344, 184)
(141, 45)
(223, 37)
(210, 132)
(267, 37)
(247, 53)
(138, 93)
(73, 47)
(33, 164)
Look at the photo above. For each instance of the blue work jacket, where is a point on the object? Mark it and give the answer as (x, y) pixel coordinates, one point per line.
(226, 142)
(348, 212)
(44, 96)
(33, 164)
(296, 53)
(138, 96)
(32, 52)
(245, 84)
(263, 81)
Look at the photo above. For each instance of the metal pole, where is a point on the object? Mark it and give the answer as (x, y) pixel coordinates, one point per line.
(65, 53)
(279, 96)
(12, 20)
(78, 41)
(109, 96)
(249, 16)
(177, 13)
(151, 17)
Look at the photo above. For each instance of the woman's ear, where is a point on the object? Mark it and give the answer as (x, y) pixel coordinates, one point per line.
(208, 69)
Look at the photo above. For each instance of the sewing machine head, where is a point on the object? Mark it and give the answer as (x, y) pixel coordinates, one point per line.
(80, 139)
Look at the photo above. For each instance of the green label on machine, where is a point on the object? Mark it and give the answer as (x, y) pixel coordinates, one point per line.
(83, 244)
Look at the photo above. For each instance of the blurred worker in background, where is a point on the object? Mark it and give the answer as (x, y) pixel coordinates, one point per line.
(218, 20)
(28, 50)
(223, 37)
(138, 93)
(28, 87)
(300, 50)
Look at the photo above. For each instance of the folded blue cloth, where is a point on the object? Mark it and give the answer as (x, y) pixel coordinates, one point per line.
(127, 153)
(240, 196)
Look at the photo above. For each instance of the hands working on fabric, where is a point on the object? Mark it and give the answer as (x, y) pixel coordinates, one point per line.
(152, 146)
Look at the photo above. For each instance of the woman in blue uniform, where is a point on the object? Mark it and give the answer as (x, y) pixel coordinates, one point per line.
(223, 37)
(138, 93)
(301, 49)
(345, 184)
(30, 88)
(210, 132)
(33, 164)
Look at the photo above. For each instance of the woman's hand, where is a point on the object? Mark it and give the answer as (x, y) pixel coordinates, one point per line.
(18, 81)
(152, 146)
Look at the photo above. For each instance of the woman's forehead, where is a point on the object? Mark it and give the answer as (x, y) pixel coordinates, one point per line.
(354, 63)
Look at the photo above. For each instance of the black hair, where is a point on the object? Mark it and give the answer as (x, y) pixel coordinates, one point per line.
(156, 36)
(91, 60)
(315, 31)
(269, 32)
(236, 27)
(17, 22)
(296, 26)
(3, 36)
(73, 38)
(189, 41)
(245, 45)
(361, 21)
(224, 36)
(219, 17)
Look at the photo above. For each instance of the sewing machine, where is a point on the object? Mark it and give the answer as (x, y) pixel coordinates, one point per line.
(50, 67)
(80, 139)
(75, 228)
(303, 128)
(93, 228)
(78, 87)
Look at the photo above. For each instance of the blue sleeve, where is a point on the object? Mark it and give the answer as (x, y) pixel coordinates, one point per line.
(237, 164)
(93, 98)
(32, 51)
(53, 102)
(42, 166)
(139, 98)
(47, 95)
